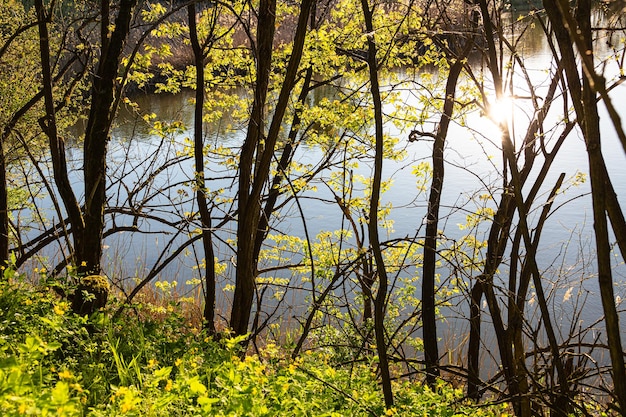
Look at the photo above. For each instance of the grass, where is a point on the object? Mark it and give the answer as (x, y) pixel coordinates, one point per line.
(146, 364)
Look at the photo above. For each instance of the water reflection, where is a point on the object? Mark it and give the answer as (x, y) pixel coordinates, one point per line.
(149, 170)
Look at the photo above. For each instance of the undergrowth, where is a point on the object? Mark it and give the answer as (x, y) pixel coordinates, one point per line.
(51, 365)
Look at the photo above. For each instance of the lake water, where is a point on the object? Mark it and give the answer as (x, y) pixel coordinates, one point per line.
(473, 167)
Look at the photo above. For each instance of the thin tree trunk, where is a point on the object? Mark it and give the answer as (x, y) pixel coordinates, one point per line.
(473, 345)
(286, 156)
(248, 210)
(569, 32)
(57, 146)
(429, 317)
(532, 264)
(599, 190)
(4, 209)
(381, 296)
(200, 183)
(496, 244)
(603, 245)
(511, 200)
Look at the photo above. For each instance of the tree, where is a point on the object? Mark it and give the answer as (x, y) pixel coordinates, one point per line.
(199, 55)
(518, 165)
(584, 88)
(17, 40)
(342, 83)
(380, 301)
(457, 55)
(88, 223)
(260, 146)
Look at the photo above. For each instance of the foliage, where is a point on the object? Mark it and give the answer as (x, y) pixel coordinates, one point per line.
(18, 63)
(51, 366)
(40, 348)
(19, 82)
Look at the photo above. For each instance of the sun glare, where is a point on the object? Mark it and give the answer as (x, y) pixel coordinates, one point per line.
(501, 110)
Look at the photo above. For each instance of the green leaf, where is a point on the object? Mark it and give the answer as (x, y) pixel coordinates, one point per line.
(196, 387)
(162, 373)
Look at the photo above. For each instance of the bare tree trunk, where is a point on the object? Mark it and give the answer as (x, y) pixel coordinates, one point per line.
(248, 208)
(562, 399)
(496, 244)
(57, 145)
(495, 248)
(87, 228)
(603, 246)
(58, 158)
(599, 190)
(4, 209)
(286, 155)
(473, 344)
(200, 183)
(381, 296)
(101, 115)
(567, 33)
(254, 172)
(512, 200)
(429, 324)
